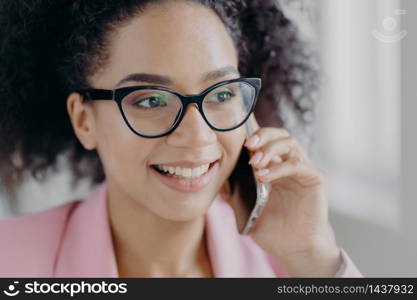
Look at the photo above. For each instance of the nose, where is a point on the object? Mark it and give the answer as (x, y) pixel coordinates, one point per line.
(193, 131)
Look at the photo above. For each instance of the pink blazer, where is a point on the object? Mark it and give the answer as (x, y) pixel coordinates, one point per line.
(74, 240)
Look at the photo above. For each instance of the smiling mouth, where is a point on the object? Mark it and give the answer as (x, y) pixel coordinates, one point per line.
(183, 173)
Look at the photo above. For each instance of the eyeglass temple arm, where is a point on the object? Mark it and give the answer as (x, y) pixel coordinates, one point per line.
(98, 94)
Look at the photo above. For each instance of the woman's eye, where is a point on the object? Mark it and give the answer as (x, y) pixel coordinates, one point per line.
(150, 102)
(223, 96)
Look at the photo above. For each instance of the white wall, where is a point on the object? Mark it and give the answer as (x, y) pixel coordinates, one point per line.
(362, 142)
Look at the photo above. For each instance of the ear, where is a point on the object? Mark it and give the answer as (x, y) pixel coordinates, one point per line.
(82, 120)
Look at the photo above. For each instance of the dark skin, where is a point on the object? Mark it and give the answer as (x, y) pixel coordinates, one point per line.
(173, 244)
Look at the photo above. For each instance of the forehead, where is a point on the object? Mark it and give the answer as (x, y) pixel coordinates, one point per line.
(179, 40)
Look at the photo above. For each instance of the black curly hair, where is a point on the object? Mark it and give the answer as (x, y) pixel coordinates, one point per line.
(49, 48)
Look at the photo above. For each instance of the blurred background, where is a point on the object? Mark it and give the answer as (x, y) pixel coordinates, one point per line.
(365, 130)
(364, 133)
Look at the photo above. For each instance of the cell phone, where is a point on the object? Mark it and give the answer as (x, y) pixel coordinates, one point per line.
(248, 196)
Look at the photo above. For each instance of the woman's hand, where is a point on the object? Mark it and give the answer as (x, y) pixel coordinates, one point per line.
(294, 225)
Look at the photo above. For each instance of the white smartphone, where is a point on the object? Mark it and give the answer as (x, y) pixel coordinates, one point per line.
(248, 196)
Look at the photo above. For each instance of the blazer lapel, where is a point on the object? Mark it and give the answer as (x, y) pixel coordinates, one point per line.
(87, 248)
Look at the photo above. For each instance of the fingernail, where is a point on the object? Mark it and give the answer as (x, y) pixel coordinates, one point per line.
(253, 141)
(256, 158)
(262, 172)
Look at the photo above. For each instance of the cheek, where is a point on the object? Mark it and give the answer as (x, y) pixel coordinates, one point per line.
(232, 143)
(123, 153)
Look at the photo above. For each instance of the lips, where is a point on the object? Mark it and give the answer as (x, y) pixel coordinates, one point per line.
(187, 184)
(176, 170)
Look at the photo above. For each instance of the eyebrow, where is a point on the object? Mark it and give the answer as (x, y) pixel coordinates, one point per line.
(165, 80)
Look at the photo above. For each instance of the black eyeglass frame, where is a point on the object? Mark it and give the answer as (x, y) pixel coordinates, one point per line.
(118, 95)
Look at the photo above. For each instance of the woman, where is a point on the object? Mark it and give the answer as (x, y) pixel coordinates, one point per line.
(162, 206)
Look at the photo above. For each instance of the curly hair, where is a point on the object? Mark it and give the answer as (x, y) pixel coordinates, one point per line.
(49, 48)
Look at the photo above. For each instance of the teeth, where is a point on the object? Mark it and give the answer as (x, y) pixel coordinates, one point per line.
(171, 170)
(196, 172)
(184, 172)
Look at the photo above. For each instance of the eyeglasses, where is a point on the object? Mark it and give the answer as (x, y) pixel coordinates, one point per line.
(155, 111)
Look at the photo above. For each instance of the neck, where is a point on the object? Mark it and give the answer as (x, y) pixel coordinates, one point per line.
(149, 246)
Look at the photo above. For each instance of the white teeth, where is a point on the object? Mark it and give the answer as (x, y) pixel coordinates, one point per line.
(187, 172)
(196, 172)
(171, 170)
(184, 172)
(205, 167)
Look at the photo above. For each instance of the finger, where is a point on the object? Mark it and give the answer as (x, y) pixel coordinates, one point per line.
(282, 148)
(269, 150)
(264, 135)
(297, 151)
(306, 175)
(276, 159)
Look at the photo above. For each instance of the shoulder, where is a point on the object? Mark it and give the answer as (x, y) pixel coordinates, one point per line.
(29, 243)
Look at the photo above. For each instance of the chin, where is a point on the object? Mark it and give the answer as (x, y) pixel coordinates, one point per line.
(186, 209)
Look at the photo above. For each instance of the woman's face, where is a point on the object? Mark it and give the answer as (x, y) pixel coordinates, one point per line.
(182, 42)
